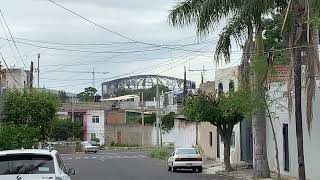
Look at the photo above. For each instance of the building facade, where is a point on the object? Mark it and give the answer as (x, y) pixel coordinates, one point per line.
(285, 132)
(15, 78)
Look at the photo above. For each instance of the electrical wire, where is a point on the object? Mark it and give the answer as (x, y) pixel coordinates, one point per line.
(5, 22)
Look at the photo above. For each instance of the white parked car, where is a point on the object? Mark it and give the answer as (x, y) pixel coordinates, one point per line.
(185, 158)
(33, 164)
(88, 147)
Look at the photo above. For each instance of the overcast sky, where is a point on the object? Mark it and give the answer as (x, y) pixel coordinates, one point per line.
(83, 46)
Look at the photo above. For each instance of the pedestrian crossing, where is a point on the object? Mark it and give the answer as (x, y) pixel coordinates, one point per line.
(103, 157)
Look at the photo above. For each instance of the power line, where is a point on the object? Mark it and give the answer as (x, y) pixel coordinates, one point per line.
(12, 39)
(9, 70)
(111, 31)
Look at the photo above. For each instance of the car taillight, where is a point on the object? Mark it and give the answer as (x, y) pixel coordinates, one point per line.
(178, 159)
(199, 158)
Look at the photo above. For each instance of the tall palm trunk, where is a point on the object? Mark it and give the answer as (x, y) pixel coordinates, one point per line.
(261, 165)
(294, 42)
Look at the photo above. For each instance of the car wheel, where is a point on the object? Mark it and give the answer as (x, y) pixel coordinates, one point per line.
(199, 169)
(95, 151)
(173, 169)
(169, 168)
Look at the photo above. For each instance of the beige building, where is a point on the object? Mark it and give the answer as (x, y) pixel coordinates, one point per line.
(207, 133)
(15, 78)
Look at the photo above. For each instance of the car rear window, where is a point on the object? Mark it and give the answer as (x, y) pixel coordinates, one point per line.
(186, 151)
(26, 164)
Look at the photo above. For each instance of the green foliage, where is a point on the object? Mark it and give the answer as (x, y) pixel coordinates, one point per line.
(160, 153)
(32, 108)
(317, 21)
(167, 122)
(17, 136)
(62, 96)
(87, 95)
(148, 94)
(63, 129)
(150, 119)
(226, 110)
(274, 39)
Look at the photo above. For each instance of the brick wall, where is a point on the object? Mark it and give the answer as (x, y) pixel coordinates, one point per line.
(115, 117)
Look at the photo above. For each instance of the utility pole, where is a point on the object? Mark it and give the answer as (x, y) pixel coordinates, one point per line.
(38, 70)
(31, 76)
(72, 109)
(142, 118)
(93, 79)
(158, 113)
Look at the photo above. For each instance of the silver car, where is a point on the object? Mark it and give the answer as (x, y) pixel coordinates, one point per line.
(185, 158)
(88, 147)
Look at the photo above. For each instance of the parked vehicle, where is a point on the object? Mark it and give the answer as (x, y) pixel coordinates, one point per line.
(185, 158)
(33, 164)
(88, 147)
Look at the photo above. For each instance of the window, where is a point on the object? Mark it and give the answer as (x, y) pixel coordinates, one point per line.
(233, 143)
(220, 89)
(186, 151)
(26, 164)
(95, 119)
(285, 147)
(210, 139)
(231, 86)
(60, 164)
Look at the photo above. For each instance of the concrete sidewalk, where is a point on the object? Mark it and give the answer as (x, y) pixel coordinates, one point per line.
(247, 174)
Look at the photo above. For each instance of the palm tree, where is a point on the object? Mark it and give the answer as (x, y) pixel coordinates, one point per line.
(243, 15)
(303, 41)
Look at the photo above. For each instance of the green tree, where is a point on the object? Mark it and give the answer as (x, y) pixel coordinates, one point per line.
(223, 112)
(63, 129)
(17, 136)
(62, 96)
(87, 95)
(32, 108)
(243, 17)
(167, 122)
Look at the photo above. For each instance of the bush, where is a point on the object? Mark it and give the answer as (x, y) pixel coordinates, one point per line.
(160, 153)
(64, 129)
(17, 137)
(97, 140)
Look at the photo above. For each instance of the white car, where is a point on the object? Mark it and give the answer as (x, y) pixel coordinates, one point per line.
(33, 164)
(185, 158)
(88, 147)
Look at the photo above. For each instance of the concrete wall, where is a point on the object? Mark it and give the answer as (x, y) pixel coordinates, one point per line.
(96, 128)
(311, 142)
(105, 105)
(115, 117)
(206, 149)
(235, 152)
(183, 134)
(129, 134)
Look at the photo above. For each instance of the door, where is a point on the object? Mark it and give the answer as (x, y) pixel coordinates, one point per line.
(119, 138)
(286, 147)
(246, 140)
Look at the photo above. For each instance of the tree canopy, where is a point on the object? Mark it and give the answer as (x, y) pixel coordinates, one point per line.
(87, 95)
(63, 96)
(32, 108)
(63, 129)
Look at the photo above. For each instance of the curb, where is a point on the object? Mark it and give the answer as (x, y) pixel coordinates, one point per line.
(231, 176)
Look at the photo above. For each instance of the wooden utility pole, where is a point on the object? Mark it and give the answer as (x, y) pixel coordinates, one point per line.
(158, 112)
(31, 76)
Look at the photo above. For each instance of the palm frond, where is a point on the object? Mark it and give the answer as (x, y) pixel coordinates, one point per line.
(235, 29)
(204, 13)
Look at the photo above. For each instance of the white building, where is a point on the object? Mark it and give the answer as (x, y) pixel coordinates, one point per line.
(15, 78)
(225, 81)
(285, 130)
(96, 125)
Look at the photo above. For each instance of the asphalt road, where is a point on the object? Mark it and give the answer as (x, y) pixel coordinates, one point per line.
(124, 165)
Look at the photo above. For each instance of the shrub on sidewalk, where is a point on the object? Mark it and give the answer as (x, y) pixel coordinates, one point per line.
(160, 153)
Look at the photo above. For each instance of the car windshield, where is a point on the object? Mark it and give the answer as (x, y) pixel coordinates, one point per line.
(186, 151)
(26, 164)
